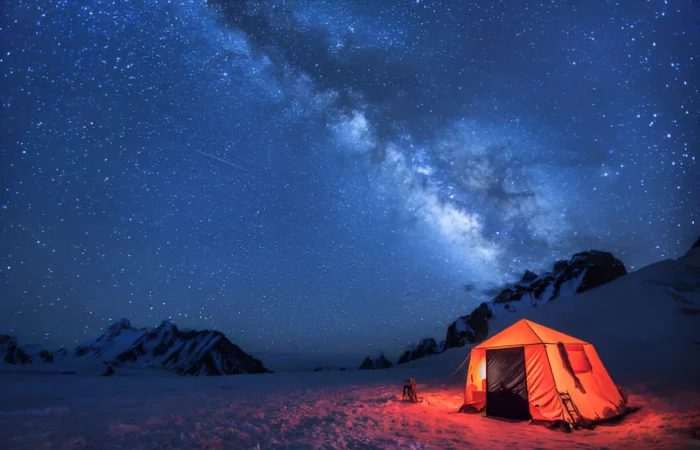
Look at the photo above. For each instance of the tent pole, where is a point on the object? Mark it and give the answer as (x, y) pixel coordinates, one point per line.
(463, 363)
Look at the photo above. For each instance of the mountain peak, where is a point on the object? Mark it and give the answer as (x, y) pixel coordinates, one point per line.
(186, 352)
(583, 271)
(167, 325)
(117, 327)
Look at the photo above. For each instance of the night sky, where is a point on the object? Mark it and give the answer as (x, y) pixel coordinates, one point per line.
(328, 176)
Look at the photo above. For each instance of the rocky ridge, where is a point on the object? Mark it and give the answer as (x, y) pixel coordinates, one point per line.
(186, 352)
(582, 272)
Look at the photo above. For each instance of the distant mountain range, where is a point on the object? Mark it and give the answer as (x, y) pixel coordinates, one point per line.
(205, 352)
(185, 352)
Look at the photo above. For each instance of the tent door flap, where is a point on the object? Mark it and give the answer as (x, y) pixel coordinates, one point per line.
(506, 384)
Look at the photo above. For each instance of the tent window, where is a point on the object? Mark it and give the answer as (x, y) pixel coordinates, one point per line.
(578, 358)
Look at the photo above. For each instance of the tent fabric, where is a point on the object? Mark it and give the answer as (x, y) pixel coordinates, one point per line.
(525, 332)
(554, 363)
(543, 396)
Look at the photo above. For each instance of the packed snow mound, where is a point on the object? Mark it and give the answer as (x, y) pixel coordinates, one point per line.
(188, 352)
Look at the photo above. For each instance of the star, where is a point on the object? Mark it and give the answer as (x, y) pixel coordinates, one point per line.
(286, 172)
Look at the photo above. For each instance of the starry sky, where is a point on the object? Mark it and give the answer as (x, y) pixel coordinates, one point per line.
(328, 176)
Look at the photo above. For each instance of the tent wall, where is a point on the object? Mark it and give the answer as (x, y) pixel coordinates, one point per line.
(590, 386)
(607, 389)
(475, 390)
(545, 403)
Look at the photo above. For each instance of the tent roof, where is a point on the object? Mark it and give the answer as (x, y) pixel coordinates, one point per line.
(525, 332)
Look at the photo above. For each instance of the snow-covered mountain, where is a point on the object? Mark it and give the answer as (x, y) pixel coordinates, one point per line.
(12, 353)
(647, 321)
(584, 271)
(118, 338)
(186, 352)
(425, 347)
(651, 315)
(645, 325)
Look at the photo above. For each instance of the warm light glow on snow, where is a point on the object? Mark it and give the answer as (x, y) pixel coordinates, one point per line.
(300, 410)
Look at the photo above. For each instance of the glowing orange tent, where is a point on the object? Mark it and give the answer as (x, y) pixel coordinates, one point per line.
(529, 371)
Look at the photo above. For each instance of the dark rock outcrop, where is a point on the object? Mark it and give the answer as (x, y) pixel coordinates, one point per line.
(379, 363)
(11, 353)
(528, 277)
(471, 328)
(367, 364)
(425, 347)
(587, 270)
(600, 268)
(46, 356)
(109, 371)
(584, 271)
(382, 363)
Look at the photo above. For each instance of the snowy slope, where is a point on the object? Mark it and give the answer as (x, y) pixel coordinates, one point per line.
(118, 338)
(329, 410)
(582, 272)
(645, 325)
(188, 352)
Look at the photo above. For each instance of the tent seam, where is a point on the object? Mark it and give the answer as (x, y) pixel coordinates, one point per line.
(533, 330)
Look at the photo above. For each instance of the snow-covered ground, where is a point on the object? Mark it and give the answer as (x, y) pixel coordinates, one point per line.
(645, 327)
(301, 410)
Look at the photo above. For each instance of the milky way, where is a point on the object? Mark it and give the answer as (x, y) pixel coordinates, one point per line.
(296, 173)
